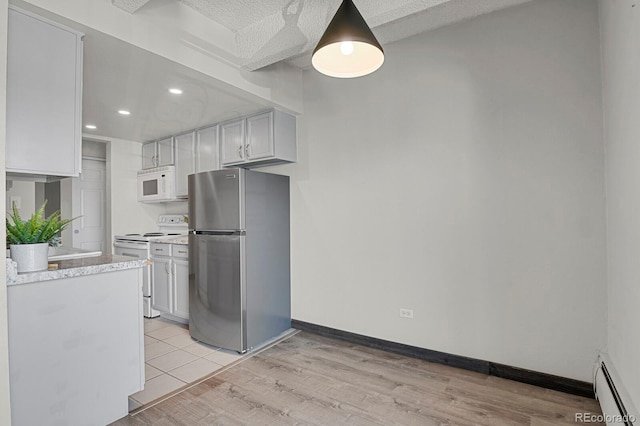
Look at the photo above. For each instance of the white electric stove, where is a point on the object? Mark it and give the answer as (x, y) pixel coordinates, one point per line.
(139, 247)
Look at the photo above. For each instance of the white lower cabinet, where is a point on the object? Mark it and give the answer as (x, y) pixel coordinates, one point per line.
(170, 283)
(161, 284)
(181, 288)
(76, 348)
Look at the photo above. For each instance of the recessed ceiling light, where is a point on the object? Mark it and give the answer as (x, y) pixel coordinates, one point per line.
(175, 91)
(90, 126)
(124, 112)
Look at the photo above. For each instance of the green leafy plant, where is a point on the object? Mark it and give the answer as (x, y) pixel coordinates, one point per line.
(36, 229)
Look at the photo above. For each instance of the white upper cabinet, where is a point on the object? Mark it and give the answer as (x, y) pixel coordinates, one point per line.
(164, 152)
(157, 153)
(44, 96)
(232, 141)
(149, 155)
(260, 139)
(207, 149)
(192, 152)
(256, 140)
(259, 136)
(184, 161)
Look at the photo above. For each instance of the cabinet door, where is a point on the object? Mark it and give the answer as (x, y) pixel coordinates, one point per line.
(161, 284)
(164, 151)
(148, 155)
(232, 142)
(184, 161)
(207, 149)
(260, 136)
(44, 96)
(181, 288)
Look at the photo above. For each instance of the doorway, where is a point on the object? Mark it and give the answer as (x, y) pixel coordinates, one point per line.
(88, 203)
(85, 197)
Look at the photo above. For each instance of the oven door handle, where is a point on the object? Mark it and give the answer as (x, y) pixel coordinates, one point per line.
(129, 255)
(131, 245)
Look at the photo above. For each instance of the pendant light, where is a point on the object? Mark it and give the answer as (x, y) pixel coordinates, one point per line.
(347, 48)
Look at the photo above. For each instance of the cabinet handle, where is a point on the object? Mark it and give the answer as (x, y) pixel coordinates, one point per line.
(247, 150)
(167, 269)
(240, 151)
(182, 251)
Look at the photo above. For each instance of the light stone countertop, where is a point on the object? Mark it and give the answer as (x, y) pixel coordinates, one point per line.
(182, 240)
(74, 268)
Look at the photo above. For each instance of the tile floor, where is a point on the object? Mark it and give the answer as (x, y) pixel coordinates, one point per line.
(173, 359)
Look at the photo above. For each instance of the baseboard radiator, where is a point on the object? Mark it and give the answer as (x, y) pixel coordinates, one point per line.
(616, 407)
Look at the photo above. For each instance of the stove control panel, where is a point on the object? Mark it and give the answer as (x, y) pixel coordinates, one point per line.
(173, 219)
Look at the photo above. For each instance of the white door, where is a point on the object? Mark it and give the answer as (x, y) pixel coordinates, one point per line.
(89, 202)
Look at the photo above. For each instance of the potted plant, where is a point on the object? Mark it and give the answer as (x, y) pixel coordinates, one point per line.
(29, 239)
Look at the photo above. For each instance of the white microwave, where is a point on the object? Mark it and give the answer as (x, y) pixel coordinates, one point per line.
(157, 185)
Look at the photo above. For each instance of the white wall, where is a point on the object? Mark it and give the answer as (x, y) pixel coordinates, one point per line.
(5, 405)
(463, 180)
(620, 28)
(124, 159)
(24, 195)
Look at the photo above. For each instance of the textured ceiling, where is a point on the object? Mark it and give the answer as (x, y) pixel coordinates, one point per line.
(271, 31)
(236, 14)
(130, 6)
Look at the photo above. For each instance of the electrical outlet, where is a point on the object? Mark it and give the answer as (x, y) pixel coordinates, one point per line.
(406, 313)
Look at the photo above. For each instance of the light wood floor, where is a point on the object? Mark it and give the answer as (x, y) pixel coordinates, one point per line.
(309, 379)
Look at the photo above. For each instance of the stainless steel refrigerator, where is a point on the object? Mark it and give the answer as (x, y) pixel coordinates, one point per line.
(239, 251)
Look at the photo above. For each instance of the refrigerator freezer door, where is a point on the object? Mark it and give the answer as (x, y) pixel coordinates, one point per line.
(216, 291)
(216, 200)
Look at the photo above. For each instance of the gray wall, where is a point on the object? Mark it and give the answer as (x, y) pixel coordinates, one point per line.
(621, 53)
(52, 195)
(94, 149)
(463, 180)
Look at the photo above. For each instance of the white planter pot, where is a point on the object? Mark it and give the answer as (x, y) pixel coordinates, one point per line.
(30, 257)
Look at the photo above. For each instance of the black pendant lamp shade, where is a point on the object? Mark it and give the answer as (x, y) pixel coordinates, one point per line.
(347, 48)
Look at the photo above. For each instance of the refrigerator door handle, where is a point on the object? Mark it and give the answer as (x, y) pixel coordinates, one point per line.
(237, 232)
